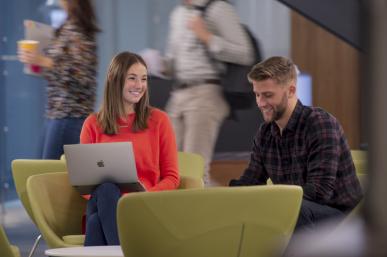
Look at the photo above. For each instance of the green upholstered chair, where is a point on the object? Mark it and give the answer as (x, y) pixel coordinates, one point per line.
(191, 170)
(57, 209)
(191, 165)
(22, 169)
(214, 222)
(359, 158)
(6, 249)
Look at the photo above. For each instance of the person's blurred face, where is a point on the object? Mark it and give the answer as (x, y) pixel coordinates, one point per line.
(136, 84)
(64, 5)
(271, 98)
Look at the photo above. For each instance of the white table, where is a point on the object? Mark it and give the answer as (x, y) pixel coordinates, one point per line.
(86, 251)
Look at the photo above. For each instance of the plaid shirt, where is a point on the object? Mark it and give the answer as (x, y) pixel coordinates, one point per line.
(312, 153)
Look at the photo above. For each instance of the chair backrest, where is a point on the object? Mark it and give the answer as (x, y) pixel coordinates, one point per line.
(363, 179)
(6, 249)
(191, 165)
(22, 169)
(359, 158)
(56, 206)
(227, 222)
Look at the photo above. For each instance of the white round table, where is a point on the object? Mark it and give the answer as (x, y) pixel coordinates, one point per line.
(86, 251)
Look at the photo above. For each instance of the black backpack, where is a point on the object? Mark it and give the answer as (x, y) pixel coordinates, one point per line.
(237, 90)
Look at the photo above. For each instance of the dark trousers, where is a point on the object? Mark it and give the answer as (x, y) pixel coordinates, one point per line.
(101, 221)
(59, 132)
(312, 213)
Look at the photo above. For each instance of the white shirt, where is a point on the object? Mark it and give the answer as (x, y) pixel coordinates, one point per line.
(229, 43)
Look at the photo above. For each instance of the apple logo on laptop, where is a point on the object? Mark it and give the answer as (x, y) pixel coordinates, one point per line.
(100, 164)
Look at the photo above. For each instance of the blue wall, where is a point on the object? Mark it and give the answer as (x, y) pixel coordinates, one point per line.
(22, 96)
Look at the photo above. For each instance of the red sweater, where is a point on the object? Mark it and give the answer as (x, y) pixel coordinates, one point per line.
(154, 148)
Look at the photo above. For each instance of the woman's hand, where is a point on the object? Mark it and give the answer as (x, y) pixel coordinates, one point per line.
(33, 57)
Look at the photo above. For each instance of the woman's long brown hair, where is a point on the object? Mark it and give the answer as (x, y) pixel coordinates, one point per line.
(81, 12)
(113, 107)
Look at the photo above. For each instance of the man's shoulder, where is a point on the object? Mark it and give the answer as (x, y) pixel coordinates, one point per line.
(320, 113)
(218, 8)
(177, 12)
(317, 116)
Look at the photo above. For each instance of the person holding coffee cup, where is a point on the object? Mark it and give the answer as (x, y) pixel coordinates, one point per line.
(69, 65)
(29, 46)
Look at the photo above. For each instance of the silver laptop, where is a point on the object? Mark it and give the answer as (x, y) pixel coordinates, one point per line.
(89, 165)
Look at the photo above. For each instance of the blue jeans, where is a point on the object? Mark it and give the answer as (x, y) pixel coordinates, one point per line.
(59, 132)
(101, 220)
(312, 213)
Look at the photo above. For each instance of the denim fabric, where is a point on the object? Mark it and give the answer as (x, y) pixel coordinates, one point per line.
(312, 213)
(59, 132)
(101, 220)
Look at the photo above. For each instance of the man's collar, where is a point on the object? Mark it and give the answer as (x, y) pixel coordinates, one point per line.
(293, 121)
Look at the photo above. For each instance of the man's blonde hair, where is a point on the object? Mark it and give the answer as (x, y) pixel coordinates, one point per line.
(280, 69)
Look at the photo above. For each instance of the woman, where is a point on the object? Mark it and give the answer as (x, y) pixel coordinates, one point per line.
(125, 115)
(69, 66)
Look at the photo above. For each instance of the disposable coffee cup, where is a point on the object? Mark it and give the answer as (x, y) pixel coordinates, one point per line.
(31, 45)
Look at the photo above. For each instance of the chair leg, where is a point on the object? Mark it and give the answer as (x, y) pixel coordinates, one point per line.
(37, 240)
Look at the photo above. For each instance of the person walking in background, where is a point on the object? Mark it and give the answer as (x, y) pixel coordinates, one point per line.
(125, 115)
(299, 145)
(70, 66)
(195, 49)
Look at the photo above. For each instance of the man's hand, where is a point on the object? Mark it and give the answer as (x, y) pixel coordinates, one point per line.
(198, 26)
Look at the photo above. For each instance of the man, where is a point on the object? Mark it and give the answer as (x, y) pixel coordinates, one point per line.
(299, 145)
(196, 47)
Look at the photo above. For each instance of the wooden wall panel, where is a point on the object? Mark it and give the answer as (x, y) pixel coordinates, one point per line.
(335, 69)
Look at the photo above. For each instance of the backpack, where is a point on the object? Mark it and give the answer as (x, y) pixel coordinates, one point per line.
(237, 89)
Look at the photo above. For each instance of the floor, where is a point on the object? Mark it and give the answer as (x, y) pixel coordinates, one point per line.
(20, 229)
(22, 232)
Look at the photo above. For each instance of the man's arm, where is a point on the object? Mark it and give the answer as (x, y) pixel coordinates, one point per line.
(323, 144)
(255, 173)
(226, 40)
(172, 39)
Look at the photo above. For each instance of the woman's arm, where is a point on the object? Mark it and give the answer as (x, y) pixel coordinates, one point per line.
(169, 174)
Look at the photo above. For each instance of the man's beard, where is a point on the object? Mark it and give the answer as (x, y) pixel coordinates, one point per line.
(281, 109)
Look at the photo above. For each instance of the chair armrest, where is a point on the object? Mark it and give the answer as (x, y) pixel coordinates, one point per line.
(190, 182)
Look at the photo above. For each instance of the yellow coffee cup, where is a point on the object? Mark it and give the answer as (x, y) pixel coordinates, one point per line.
(25, 44)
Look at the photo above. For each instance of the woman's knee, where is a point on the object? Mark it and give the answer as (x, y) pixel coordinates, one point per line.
(107, 189)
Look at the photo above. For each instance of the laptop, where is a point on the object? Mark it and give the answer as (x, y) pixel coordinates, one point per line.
(90, 165)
